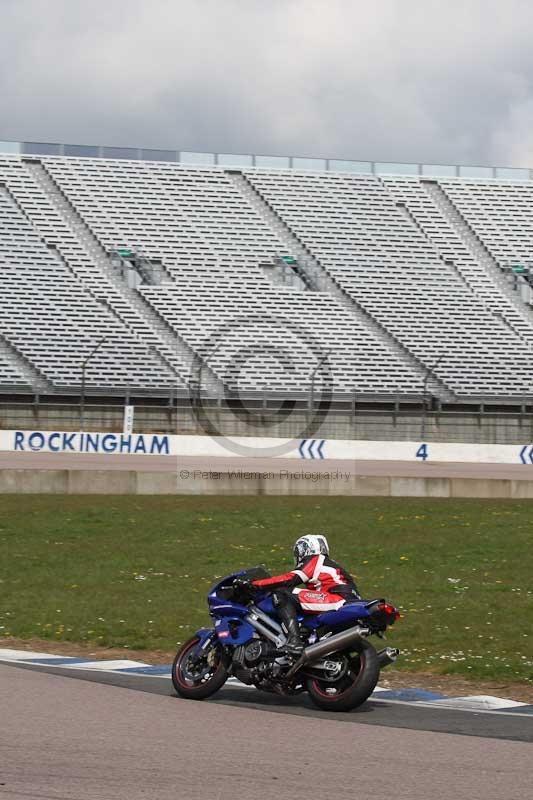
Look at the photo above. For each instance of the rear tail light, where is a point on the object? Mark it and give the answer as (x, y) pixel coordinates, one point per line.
(388, 609)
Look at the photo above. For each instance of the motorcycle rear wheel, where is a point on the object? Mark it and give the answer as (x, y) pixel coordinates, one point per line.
(198, 677)
(354, 687)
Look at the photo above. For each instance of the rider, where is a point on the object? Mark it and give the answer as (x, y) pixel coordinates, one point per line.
(331, 586)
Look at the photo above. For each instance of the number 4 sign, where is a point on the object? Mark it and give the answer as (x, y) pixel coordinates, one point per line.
(422, 452)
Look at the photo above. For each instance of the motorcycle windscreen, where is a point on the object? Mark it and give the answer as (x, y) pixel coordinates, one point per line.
(225, 583)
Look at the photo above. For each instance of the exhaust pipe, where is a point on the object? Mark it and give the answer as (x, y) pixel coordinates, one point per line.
(387, 656)
(325, 647)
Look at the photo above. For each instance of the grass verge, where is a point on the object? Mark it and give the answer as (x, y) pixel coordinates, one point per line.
(132, 572)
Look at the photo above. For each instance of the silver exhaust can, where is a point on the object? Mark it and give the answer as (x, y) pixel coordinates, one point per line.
(387, 656)
(333, 643)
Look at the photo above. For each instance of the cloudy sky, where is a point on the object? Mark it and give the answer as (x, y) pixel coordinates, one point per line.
(442, 81)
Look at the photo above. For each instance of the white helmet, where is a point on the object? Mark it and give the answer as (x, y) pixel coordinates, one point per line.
(310, 545)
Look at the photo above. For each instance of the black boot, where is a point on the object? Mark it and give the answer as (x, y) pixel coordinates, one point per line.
(294, 644)
(288, 615)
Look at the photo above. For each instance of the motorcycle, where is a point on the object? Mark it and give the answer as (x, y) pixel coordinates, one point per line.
(338, 667)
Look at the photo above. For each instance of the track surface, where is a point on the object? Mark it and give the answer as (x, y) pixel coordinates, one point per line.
(66, 739)
(404, 469)
(511, 724)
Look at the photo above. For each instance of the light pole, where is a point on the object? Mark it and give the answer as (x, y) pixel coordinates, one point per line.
(198, 408)
(196, 383)
(429, 371)
(82, 388)
(313, 376)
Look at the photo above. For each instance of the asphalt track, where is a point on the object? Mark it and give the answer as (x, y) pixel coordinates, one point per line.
(403, 469)
(65, 738)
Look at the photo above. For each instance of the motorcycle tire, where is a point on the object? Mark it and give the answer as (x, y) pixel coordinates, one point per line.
(353, 687)
(196, 679)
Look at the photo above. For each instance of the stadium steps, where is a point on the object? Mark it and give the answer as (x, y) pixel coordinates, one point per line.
(469, 286)
(409, 216)
(174, 353)
(30, 376)
(50, 306)
(312, 272)
(476, 248)
(163, 362)
(322, 281)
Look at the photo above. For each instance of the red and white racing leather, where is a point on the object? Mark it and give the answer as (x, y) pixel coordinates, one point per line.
(317, 602)
(323, 576)
(322, 573)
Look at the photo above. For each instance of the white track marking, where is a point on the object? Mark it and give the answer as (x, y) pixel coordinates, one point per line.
(108, 666)
(477, 703)
(25, 655)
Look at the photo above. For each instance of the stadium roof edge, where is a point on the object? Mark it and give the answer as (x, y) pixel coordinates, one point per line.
(242, 161)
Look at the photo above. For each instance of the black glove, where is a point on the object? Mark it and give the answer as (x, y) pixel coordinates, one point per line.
(242, 583)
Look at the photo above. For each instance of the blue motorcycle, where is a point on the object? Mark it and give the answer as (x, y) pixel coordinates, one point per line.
(338, 668)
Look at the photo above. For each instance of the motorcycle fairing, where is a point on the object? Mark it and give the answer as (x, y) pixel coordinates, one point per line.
(344, 617)
(266, 605)
(233, 631)
(203, 634)
(219, 607)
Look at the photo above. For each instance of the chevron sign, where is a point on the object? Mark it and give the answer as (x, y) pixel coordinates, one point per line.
(308, 448)
(525, 457)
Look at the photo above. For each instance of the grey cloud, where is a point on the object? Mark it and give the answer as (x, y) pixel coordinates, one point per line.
(406, 80)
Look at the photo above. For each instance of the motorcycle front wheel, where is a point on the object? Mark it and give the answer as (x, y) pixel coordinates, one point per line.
(353, 687)
(197, 676)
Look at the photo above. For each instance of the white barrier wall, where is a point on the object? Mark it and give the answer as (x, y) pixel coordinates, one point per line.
(242, 447)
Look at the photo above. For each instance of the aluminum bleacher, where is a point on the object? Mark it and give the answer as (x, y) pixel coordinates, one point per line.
(257, 336)
(10, 376)
(455, 244)
(499, 212)
(401, 280)
(190, 218)
(353, 226)
(54, 322)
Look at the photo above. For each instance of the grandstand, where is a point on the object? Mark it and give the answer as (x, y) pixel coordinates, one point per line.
(406, 286)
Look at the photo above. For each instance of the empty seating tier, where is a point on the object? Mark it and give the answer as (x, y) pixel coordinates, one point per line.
(354, 228)
(49, 317)
(397, 281)
(10, 376)
(258, 337)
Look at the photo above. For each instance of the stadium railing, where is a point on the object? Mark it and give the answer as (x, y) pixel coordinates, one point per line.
(267, 161)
